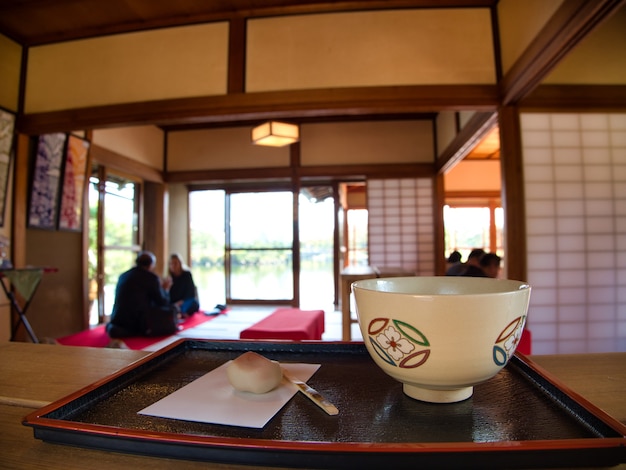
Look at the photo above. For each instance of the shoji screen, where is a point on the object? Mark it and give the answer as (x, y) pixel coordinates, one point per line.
(575, 185)
(401, 229)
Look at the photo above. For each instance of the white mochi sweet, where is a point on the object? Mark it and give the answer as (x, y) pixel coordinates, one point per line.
(254, 373)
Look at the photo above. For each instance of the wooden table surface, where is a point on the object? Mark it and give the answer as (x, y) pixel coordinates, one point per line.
(33, 374)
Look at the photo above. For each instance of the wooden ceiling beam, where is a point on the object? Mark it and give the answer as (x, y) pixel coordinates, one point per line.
(567, 27)
(576, 98)
(477, 128)
(237, 108)
(39, 22)
(308, 173)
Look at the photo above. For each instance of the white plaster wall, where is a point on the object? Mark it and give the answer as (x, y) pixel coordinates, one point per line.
(395, 47)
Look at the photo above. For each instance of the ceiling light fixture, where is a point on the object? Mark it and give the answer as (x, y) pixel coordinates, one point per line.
(275, 134)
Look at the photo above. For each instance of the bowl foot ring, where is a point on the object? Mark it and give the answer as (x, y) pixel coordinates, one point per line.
(438, 396)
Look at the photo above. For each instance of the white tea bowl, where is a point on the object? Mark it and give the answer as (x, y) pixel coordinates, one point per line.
(439, 336)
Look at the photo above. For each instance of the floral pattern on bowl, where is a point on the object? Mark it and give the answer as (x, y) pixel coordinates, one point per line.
(507, 341)
(398, 343)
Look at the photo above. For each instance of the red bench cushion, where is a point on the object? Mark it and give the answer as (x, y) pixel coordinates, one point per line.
(288, 323)
(525, 344)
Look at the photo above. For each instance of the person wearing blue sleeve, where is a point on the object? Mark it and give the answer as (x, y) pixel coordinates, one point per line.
(182, 289)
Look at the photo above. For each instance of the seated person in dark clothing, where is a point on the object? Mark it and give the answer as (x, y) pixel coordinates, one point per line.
(474, 271)
(183, 292)
(489, 267)
(472, 264)
(453, 261)
(138, 292)
(490, 264)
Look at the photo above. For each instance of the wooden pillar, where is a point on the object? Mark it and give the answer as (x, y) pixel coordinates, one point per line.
(236, 55)
(19, 214)
(440, 235)
(513, 194)
(20, 200)
(155, 222)
(493, 231)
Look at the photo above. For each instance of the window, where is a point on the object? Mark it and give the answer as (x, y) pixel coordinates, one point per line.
(207, 234)
(357, 253)
(469, 227)
(259, 246)
(116, 230)
(243, 247)
(316, 222)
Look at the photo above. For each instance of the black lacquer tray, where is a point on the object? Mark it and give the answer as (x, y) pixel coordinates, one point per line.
(521, 418)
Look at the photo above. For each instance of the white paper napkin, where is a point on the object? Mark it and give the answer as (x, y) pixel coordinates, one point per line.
(212, 399)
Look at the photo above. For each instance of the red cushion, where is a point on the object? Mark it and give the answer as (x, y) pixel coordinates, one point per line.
(525, 342)
(288, 323)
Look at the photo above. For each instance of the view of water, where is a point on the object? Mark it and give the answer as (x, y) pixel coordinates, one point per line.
(266, 283)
